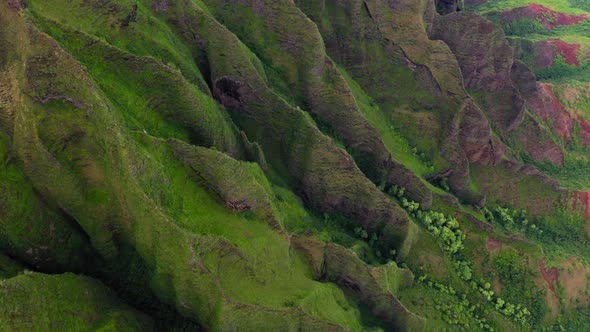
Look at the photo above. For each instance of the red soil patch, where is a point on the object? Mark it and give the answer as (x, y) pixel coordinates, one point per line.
(585, 131)
(585, 125)
(584, 198)
(493, 244)
(551, 276)
(562, 121)
(568, 51)
(549, 18)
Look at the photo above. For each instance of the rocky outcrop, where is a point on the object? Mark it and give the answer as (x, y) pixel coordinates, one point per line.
(318, 85)
(17, 5)
(424, 74)
(503, 88)
(543, 54)
(240, 185)
(336, 264)
(542, 101)
(476, 137)
(448, 6)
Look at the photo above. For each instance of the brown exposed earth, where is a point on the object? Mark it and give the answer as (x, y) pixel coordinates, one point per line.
(562, 122)
(568, 51)
(585, 130)
(550, 275)
(574, 279)
(493, 244)
(582, 197)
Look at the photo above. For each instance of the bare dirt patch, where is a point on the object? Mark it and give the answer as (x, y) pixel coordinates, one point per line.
(493, 244)
(574, 279)
(582, 198)
(585, 130)
(550, 275)
(568, 51)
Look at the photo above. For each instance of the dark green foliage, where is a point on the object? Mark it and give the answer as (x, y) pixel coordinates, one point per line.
(582, 4)
(38, 302)
(455, 308)
(444, 228)
(513, 221)
(576, 320)
(524, 27)
(560, 69)
(518, 286)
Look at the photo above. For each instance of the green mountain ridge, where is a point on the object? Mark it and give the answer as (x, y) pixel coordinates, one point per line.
(286, 165)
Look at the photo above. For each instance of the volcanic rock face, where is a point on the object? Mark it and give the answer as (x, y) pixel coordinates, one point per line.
(545, 52)
(448, 6)
(542, 101)
(476, 137)
(17, 4)
(431, 81)
(507, 88)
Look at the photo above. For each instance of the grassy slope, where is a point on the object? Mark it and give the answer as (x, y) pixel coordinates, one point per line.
(560, 241)
(34, 301)
(279, 281)
(172, 216)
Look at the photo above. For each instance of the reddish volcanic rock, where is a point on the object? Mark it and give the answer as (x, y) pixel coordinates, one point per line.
(476, 139)
(585, 131)
(568, 51)
(584, 198)
(542, 101)
(545, 54)
(551, 276)
(549, 18)
(493, 244)
(504, 88)
(560, 119)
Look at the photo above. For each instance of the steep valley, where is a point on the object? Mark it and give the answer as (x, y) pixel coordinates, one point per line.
(294, 165)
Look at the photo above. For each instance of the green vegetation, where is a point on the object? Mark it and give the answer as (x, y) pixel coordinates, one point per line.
(271, 165)
(518, 286)
(513, 221)
(34, 301)
(560, 70)
(445, 229)
(522, 27)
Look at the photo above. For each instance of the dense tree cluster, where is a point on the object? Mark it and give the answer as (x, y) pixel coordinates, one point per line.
(514, 221)
(444, 228)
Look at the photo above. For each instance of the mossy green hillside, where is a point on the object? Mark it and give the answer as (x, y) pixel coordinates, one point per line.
(34, 301)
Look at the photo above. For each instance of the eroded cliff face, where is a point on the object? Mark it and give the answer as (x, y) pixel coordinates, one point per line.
(262, 164)
(506, 89)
